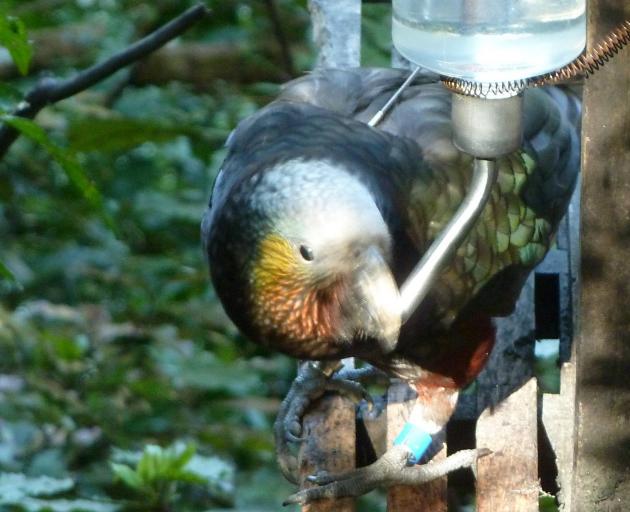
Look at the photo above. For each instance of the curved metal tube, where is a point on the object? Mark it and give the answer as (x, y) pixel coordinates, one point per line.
(422, 277)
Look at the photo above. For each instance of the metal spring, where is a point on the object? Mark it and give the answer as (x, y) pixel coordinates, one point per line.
(584, 66)
(484, 89)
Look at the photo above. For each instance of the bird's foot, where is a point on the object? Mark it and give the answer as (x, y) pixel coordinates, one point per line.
(391, 469)
(313, 380)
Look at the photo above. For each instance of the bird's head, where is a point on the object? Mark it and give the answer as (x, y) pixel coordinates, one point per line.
(317, 282)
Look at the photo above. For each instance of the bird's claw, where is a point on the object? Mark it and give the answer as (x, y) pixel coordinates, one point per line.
(391, 469)
(312, 381)
(321, 478)
(293, 432)
(353, 483)
(353, 390)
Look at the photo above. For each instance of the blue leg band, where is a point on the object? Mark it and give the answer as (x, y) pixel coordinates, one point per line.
(414, 438)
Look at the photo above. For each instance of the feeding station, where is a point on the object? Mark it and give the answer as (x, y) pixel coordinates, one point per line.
(574, 444)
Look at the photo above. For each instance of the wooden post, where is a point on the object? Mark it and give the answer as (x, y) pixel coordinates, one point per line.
(602, 472)
(330, 427)
(508, 478)
(329, 445)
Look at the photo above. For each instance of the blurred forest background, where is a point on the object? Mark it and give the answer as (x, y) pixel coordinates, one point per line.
(123, 386)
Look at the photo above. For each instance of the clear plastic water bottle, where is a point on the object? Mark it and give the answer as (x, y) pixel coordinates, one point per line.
(489, 40)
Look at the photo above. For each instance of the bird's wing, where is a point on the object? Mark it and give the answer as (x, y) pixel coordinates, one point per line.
(517, 226)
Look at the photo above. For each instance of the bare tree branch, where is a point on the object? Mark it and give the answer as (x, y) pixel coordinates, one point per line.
(50, 90)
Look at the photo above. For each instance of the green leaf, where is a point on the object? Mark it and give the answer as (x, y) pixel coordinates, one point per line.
(147, 467)
(75, 173)
(127, 475)
(5, 273)
(157, 464)
(176, 464)
(181, 459)
(14, 38)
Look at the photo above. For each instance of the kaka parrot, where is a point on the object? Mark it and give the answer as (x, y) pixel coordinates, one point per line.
(316, 219)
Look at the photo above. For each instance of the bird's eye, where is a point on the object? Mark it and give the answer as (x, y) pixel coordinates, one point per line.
(307, 252)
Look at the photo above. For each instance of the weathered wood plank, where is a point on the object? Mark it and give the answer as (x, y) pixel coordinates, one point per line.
(506, 393)
(329, 445)
(602, 472)
(508, 478)
(431, 496)
(558, 410)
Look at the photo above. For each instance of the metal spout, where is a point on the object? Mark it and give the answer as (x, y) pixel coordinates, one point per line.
(423, 276)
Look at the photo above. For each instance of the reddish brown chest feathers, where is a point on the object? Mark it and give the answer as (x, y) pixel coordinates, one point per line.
(292, 311)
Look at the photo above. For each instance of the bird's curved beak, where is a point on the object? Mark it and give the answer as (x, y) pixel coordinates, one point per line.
(378, 299)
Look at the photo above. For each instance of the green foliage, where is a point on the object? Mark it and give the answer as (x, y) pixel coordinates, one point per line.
(64, 158)
(547, 503)
(5, 273)
(376, 44)
(546, 366)
(14, 38)
(158, 472)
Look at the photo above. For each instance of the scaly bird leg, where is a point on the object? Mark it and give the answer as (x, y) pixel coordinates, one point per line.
(434, 406)
(391, 469)
(313, 380)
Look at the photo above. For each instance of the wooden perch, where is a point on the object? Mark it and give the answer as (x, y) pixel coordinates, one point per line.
(329, 445)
